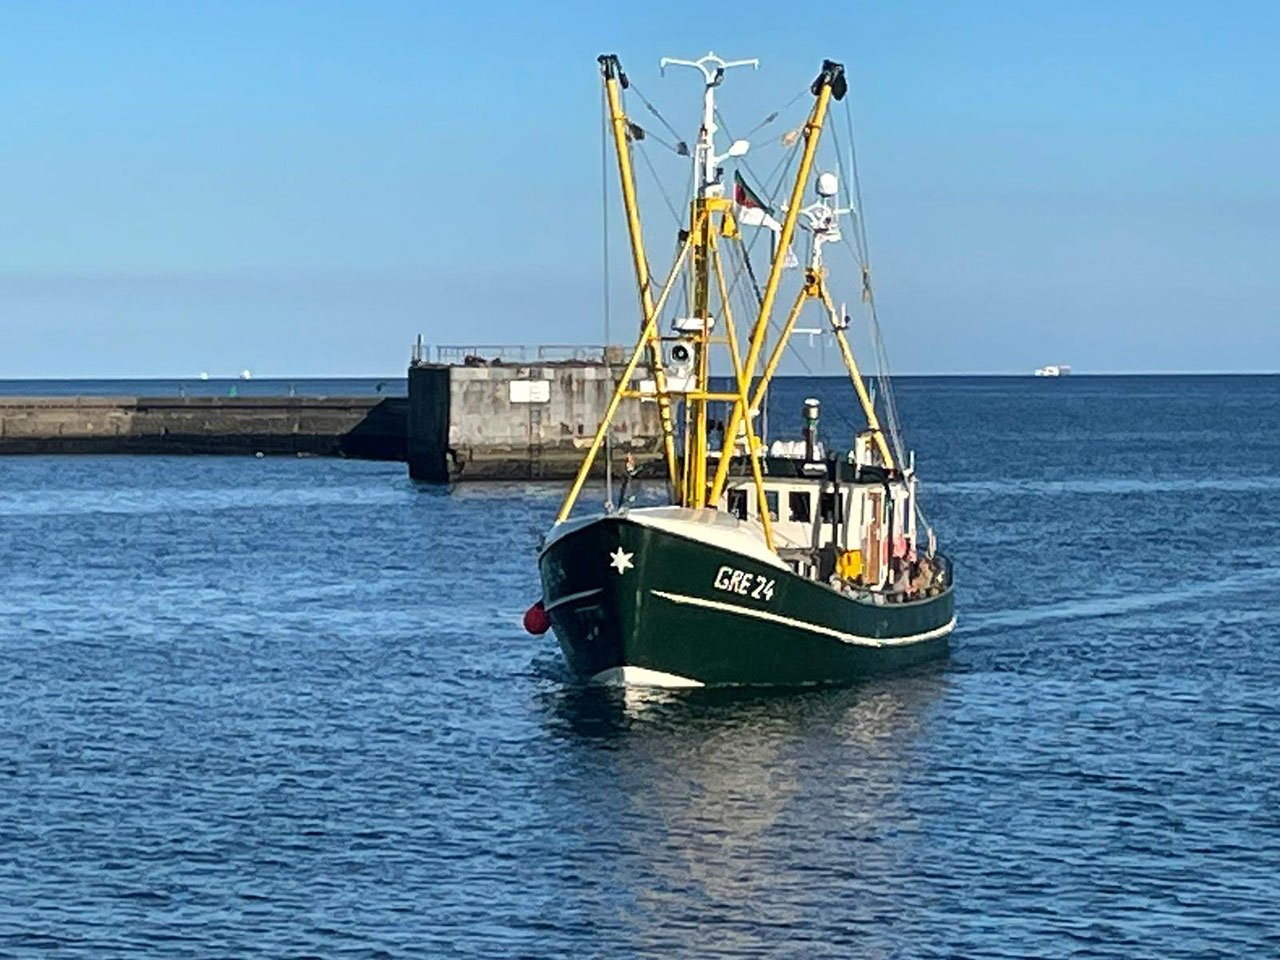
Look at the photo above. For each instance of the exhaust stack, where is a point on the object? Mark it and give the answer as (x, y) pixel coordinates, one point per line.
(811, 410)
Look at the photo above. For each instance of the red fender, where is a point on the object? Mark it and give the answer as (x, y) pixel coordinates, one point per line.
(536, 620)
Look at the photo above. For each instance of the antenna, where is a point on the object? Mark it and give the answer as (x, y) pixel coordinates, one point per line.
(705, 161)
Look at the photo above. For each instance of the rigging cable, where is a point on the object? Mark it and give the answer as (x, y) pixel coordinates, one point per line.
(862, 257)
(681, 147)
(780, 170)
(644, 155)
(637, 135)
(788, 150)
(882, 360)
(774, 115)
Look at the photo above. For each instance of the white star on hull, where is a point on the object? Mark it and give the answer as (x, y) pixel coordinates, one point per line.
(621, 560)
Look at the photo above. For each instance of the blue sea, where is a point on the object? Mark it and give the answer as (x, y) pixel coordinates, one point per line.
(285, 708)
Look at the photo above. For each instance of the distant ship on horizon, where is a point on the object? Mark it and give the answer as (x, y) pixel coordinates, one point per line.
(1054, 370)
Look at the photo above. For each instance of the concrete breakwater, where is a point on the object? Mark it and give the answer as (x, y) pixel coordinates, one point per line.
(523, 420)
(494, 418)
(477, 413)
(372, 428)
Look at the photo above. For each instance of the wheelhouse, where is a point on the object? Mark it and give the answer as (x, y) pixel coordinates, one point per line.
(835, 517)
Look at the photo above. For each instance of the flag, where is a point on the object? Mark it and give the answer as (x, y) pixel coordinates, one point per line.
(751, 211)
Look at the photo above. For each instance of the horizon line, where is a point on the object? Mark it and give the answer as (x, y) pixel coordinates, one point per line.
(813, 376)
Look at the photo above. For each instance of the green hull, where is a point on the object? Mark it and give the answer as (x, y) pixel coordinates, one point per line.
(682, 611)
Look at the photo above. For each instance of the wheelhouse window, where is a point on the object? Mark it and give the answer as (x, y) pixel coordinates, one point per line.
(829, 508)
(738, 503)
(771, 500)
(800, 506)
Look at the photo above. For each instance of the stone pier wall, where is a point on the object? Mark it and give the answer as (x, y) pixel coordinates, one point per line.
(460, 422)
(364, 427)
(519, 421)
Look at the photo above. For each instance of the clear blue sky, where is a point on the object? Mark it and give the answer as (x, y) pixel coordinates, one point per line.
(300, 188)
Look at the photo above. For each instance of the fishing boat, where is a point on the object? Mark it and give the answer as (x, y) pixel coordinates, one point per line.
(769, 563)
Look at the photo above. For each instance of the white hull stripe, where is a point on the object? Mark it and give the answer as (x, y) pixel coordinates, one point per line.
(641, 677)
(570, 597)
(840, 635)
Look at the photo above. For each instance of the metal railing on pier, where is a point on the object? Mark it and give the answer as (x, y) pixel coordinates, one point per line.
(483, 354)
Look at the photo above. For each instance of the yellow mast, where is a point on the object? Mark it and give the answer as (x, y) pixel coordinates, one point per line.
(708, 199)
(696, 451)
(830, 80)
(613, 76)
